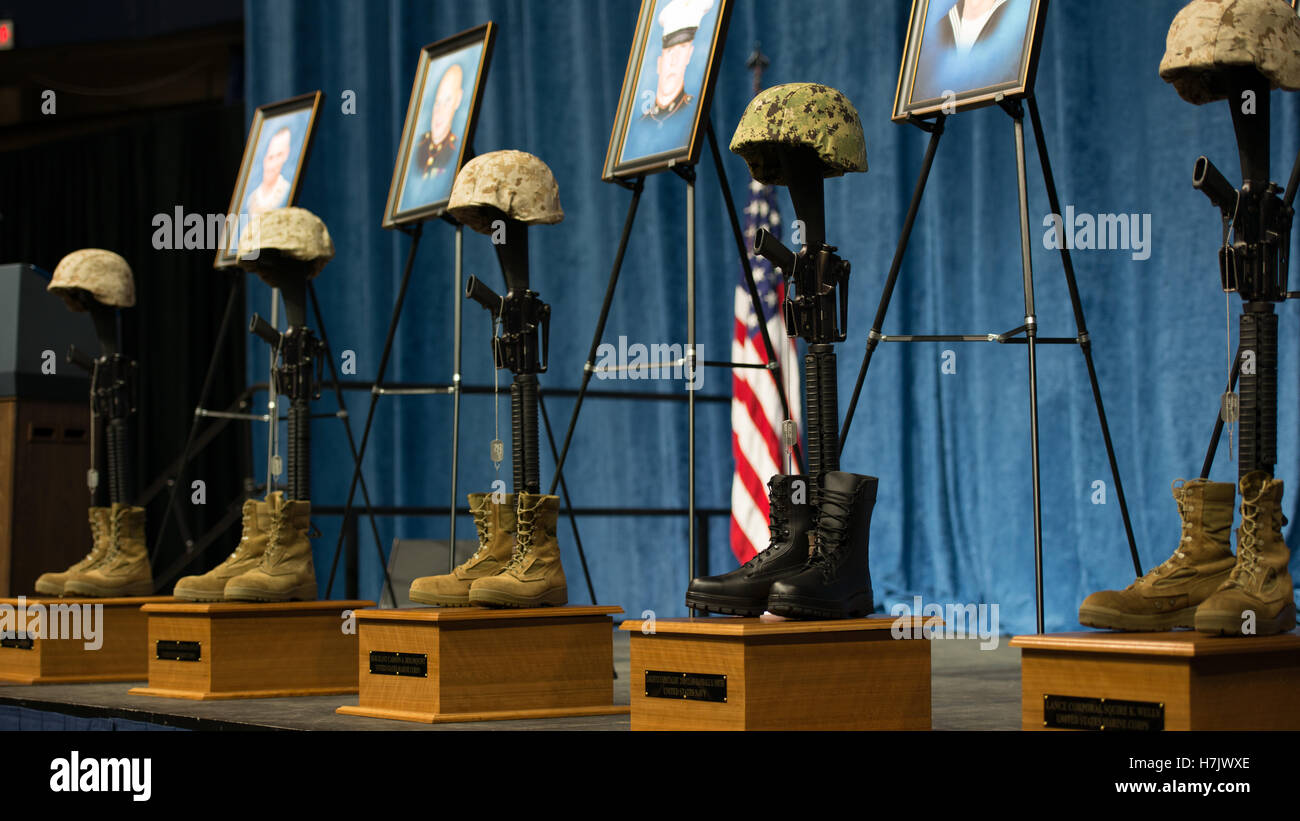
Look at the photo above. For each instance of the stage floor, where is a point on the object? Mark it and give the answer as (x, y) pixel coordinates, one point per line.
(971, 689)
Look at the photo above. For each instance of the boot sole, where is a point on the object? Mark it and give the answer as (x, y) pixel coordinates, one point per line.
(1227, 623)
(1107, 619)
(551, 598)
(725, 605)
(184, 595)
(96, 592)
(49, 589)
(440, 601)
(799, 607)
(301, 593)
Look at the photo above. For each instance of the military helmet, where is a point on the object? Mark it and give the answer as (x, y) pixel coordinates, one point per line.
(287, 233)
(800, 114)
(103, 274)
(1210, 38)
(517, 183)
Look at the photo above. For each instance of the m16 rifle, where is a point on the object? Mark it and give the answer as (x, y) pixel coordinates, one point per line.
(521, 347)
(113, 398)
(298, 376)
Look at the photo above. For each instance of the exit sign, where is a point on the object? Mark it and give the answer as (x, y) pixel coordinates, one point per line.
(6, 35)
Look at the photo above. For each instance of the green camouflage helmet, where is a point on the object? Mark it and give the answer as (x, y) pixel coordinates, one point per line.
(514, 182)
(1211, 38)
(293, 233)
(103, 274)
(800, 114)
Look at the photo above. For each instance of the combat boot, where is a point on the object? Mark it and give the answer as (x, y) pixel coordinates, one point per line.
(1167, 597)
(495, 522)
(51, 584)
(835, 583)
(533, 577)
(211, 586)
(124, 570)
(1257, 599)
(743, 591)
(286, 572)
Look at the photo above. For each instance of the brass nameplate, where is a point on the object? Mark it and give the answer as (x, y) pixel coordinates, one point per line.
(1079, 713)
(179, 650)
(22, 641)
(399, 664)
(690, 686)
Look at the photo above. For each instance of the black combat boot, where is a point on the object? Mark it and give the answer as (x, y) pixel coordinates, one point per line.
(836, 581)
(743, 591)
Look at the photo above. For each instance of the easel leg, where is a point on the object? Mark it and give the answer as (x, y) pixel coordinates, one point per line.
(589, 368)
(458, 302)
(692, 365)
(1085, 342)
(873, 338)
(374, 394)
(1031, 334)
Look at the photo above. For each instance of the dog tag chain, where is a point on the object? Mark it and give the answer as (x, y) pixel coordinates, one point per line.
(497, 447)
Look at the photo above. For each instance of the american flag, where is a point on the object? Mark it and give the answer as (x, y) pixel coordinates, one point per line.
(756, 413)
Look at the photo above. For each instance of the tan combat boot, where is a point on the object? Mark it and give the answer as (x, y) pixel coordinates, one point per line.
(51, 584)
(533, 577)
(1257, 598)
(124, 570)
(286, 572)
(1167, 597)
(495, 522)
(211, 586)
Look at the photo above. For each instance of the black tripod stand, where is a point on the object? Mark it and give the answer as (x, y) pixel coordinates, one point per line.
(1026, 333)
(1253, 262)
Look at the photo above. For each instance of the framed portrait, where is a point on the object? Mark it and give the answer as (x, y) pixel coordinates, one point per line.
(667, 86)
(963, 54)
(439, 125)
(274, 157)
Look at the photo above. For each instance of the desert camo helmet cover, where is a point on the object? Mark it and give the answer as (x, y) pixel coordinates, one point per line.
(1209, 38)
(288, 233)
(103, 274)
(517, 183)
(800, 114)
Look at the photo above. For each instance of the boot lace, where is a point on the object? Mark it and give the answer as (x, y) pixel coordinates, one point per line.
(273, 546)
(778, 526)
(249, 517)
(1185, 510)
(1245, 571)
(114, 535)
(523, 537)
(832, 530)
(481, 515)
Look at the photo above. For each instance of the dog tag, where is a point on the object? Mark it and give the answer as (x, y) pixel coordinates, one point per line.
(277, 466)
(1229, 407)
(498, 452)
(92, 479)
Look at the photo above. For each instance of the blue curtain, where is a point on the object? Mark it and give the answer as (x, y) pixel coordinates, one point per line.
(953, 522)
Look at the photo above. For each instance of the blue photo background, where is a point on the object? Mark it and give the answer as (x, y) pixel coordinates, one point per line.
(647, 137)
(994, 60)
(417, 191)
(296, 122)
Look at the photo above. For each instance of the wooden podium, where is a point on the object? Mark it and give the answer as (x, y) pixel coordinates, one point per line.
(438, 665)
(46, 658)
(1179, 680)
(727, 673)
(250, 650)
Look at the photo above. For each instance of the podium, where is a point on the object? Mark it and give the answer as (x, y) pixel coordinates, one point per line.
(224, 650)
(1179, 680)
(437, 665)
(34, 654)
(729, 673)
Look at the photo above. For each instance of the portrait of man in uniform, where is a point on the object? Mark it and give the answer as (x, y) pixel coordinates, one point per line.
(439, 122)
(966, 52)
(273, 190)
(669, 71)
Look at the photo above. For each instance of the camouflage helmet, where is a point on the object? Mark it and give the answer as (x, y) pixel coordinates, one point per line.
(288, 233)
(515, 182)
(103, 274)
(800, 114)
(1209, 38)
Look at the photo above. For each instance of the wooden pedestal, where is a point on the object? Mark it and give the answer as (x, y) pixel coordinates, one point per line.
(748, 674)
(64, 659)
(1179, 680)
(247, 650)
(438, 665)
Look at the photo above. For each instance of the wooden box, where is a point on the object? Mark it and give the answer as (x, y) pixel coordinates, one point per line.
(65, 659)
(437, 665)
(750, 674)
(1180, 680)
(251, 650)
